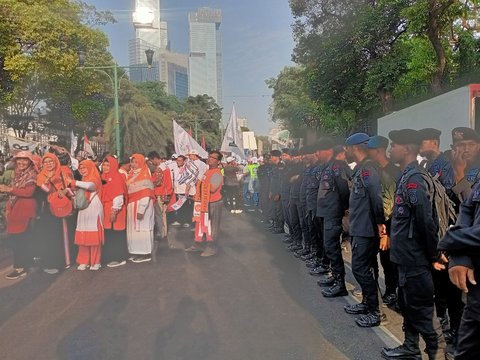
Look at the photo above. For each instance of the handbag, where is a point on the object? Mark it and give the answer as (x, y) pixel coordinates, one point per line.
(80, 200)
(60, 206)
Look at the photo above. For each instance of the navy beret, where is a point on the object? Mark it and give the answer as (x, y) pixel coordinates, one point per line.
(405, 137)
(377, 141)
(356, 139)
(429, 134)
(464, 133)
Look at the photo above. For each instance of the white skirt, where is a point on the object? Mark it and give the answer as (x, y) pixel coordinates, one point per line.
(140, 232)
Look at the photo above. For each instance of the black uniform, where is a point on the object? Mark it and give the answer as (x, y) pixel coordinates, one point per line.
(315, 227)
(263, 173)
(366, 212)
(285, 185)
(413, 249)
(462, 243)
(275, 191)
(296, 230)
(332, 202)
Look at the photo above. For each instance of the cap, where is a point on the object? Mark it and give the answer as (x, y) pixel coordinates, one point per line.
(293, 152)
(356, 139)
(174, 156)
(405, 137)
(230, 159)
(377, 141)
(193, 152)
(325, 143)
(464, 133)
(429, 134)
(276, 153)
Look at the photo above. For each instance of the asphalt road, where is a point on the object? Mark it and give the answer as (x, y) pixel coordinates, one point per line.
(254, 300)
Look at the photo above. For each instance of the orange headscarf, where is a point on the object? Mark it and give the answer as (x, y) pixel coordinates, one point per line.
(57, 176)
(139, 181)
(92, 175)
(114, 181)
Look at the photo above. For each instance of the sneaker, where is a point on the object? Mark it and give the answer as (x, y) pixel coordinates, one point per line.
(239, 211)
(233, 211)
(194, 248)
(210, 250)
(389, 299)
(82, 267)
(369, 320)
(95, 267)
(50, 271)
(186, 225)
(15, 274)
(175, 223)
(113, 264)
(142, 258)
(356, 309)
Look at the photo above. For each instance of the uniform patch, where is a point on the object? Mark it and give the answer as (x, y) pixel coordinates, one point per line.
(336, 170)
(412, 186)
(412, 196)
(399, 200)
(401, 210)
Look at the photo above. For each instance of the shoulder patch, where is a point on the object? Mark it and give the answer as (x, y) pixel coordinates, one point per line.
(412, 196)
(412, 186)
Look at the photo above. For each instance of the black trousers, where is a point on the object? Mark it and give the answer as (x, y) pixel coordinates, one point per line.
(278, 219)
(447, 297)
(302, 218)
(294, 227)
(468, 345)
(21, 245)
(315, 238)
(184, 215)
(115, 247)
(415, 298)
(286, 211)
(364, 255)
(233, 197)
(390, 272)
(332, 230)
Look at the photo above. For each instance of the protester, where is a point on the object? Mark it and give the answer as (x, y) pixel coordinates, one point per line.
(89, 234)
(114, 200)
(140, 210)
(20, 212)
(232, 179)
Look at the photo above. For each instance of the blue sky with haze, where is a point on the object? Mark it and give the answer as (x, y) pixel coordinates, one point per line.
(257, 44)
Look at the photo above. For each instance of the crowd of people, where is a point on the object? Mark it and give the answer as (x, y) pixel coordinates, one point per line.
(414, 208)
(104, 212)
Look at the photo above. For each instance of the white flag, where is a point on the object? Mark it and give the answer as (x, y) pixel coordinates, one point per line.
(73, 143)
(232, 140)
(88, 147)
(17, 145)
(184, 142)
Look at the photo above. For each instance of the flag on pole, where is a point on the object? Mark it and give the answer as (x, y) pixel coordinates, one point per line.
(232, 140)
(184, 142)
(87, 146)
(190, 131)
(73, 143)
(203, 141)
(16, 145)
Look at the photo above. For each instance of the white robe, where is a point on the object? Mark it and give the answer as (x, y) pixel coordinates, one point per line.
(140, 232)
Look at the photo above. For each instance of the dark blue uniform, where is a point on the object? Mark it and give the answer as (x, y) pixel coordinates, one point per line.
(463, 188)
(366, 212)
(275, 192)
(414, 248)
(297, 178)
(462, 243)
(302, 209)
(263, 173)
(332, 202)
(285, 185)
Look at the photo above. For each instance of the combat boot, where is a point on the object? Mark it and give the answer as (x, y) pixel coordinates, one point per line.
(308, 256)
(408, 350)
(313, 263)
(319, 270)
(337, 289)
(373, 318)
(326, 282)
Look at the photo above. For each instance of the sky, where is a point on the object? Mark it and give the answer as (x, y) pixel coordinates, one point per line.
(257, 45)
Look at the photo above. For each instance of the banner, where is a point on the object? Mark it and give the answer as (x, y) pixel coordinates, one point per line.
(232, 140)
(184, 142)
(16, 145)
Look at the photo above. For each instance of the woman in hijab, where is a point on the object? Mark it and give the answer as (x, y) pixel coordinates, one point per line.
(20, 211)
(114, 198)
(89, 235)
(140, 210)
(52, 179)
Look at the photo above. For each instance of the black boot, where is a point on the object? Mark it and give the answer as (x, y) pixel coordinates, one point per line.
(319, 270)
(326, 282)
(313, 263)
(301, 252)
(408, 350)
(337, 289)
(308, 256)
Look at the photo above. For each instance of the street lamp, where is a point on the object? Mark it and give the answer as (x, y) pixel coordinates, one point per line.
(115, 86)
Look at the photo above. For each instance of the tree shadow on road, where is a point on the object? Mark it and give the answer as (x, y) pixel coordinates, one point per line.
(101, 336)
(190, 335)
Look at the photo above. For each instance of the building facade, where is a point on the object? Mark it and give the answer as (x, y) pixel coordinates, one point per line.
(205, 73)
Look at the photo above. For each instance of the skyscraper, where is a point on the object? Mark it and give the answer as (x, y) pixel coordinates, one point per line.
(205, 60)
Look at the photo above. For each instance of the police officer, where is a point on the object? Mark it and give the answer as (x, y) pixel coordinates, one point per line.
(414, 250)
(462, 243)
(447, 296)
(367, 225)
(332, 202)
(263, 173)
(466, 161)
(296, 177)
(390, 174)
(285, 184)
(275, 191)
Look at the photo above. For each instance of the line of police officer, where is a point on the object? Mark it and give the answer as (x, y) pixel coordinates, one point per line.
(387, 203)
